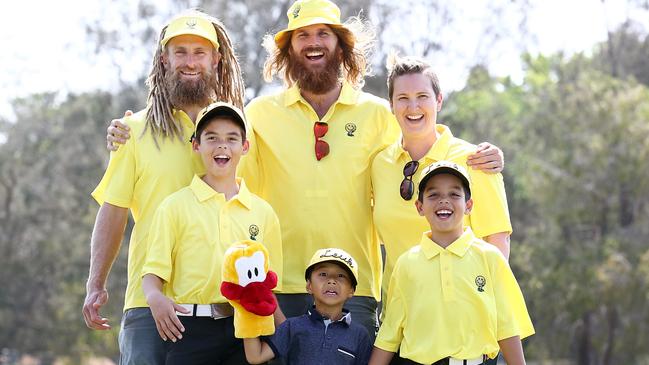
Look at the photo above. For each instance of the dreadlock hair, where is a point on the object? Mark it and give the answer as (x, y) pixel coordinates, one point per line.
(229, 86)
(356, 39)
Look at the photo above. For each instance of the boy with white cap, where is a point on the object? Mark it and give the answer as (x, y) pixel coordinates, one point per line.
(453, 298)
(326, 333)
(191, 232)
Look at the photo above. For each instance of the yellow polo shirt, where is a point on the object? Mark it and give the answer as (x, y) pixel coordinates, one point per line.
(458, 302)
(397, 221)
(138, 177)
(194, 227)
(324, 203)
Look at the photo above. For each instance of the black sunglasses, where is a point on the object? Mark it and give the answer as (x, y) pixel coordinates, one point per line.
(407, 188)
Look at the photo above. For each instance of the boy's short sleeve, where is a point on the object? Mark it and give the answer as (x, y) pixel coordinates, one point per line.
(513, 319)
(280, 341)
(391, 331)
(118, 183)
(158, 259)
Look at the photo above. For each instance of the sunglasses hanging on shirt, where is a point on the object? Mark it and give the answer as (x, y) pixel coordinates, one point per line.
(407, 188)
(321, 147)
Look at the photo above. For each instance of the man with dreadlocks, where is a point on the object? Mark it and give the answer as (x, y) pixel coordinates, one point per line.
(194, 64)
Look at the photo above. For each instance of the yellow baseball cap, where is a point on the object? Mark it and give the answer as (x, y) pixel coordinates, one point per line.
(191, 24)
(308, 12)
(337, 256)
(445, 167)
(220, 108)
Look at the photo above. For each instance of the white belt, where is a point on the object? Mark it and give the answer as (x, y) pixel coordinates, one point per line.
(216, 311)
(474, 361)
(202, 310)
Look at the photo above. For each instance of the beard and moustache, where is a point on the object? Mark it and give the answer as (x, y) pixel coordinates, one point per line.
(184, 93)
(316, 81)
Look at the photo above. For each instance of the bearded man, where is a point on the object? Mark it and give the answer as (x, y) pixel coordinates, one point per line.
(312, 147)
(194, 64)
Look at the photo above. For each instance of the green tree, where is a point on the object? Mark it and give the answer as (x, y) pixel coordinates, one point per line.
(576, 141)
(53, 157)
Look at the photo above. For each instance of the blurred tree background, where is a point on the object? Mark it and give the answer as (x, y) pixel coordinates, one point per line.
(574, 130)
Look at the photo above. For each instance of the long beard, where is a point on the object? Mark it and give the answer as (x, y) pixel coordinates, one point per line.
(184, 93)
(318, 81)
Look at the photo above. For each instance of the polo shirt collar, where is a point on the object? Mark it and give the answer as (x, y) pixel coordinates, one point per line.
(314, 315)
(184, 118)
(459, 247)
(348, 95)
(203, 191)
(437, 152)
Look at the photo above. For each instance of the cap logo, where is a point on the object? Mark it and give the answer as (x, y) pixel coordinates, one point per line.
(191, 23)
(339, 256)
(350, 128)
(480, 281)
(296, 11)
(254, 231)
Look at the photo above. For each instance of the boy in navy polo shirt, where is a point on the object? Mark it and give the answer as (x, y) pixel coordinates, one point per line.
(326, 333)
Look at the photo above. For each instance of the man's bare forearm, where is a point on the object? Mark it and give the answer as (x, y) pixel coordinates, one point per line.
(105, 243)
(500, 240)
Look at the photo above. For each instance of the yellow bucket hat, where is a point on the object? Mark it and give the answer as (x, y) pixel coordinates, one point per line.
(308, 12)
(193, 25)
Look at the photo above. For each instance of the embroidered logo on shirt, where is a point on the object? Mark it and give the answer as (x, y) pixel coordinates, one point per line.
(480, 281)
(350, 128)
(296, 11)
(254, 231)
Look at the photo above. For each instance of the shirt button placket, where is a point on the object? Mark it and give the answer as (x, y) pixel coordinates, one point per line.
(224, 226)
(446, 275)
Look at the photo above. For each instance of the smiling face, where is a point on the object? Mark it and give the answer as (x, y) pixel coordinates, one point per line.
(415, 104)
(190, 63)
(444, 204)
(314, 45)
(315, 58)
(221, 146)
(331, 285)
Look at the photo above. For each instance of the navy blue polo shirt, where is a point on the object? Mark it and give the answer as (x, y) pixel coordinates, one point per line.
(308, 340)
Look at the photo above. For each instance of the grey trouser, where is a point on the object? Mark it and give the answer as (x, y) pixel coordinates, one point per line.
(139, 341)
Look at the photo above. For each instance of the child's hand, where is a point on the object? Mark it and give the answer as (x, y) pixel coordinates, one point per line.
(166, 320)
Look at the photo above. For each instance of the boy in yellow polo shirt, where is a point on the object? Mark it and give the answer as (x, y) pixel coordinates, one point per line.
(453, 298)
(191, 231)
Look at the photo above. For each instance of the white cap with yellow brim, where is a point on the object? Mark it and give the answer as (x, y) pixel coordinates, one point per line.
(335, 255)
